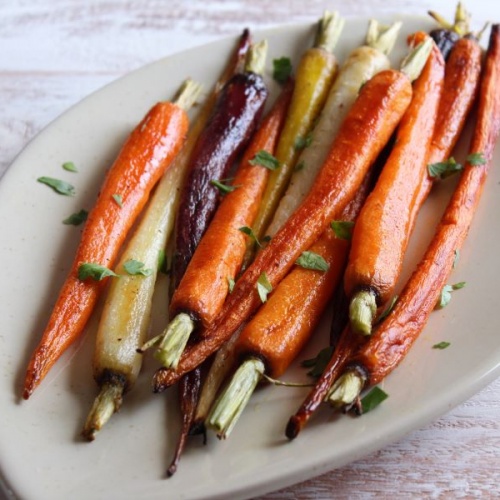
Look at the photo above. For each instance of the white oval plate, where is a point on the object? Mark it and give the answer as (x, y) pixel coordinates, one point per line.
(41, 454)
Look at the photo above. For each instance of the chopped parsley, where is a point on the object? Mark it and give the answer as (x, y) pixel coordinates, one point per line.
(441, 345)
(342, 229)
(373, 399)
(282, 69)
(445, 297)
(118, 199)
(311, 260)
(77, 218)
(162, 262)
(476, 159)
(94, 271)
(443, 169)
(135, 268)
(303, 142)
(265, 159)
(58, 186)
(69, 166)
(230, 284)
(263, 287)
(319, 363)
(249, 232)
(223, 188)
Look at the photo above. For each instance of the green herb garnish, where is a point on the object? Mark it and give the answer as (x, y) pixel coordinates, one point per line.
(265, 159)
(342, 229)
(135, 268)
(388, 309)
(263, 287)
(58, 186)
(162, 262)
(223, 188)
(230, 284)
(441, 345)
(311, 260)
(282, 69)
(303, 142)
(69, 166)
(319, 363)
(249, 232)
(118, 199)
(476, 159)
(373, 399)
(77, 218)
(94, 271)
(444, 169)
(299, 166)
(445, 297)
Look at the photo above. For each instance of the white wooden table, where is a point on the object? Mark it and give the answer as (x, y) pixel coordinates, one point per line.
(55, 53)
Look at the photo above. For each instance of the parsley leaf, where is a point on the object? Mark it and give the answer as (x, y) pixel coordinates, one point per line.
(263, 287)
(319, 363)
(476, 159)
(58, 186)
(249, 232)
(265, 159)
(230, 283)
(443, 169)
(118, 199)
(373, 399)
(342, 229)
(69, 166)
(162, 262)
(445, 297)
(311, 260)
(135, 267)
(441, 345)
(388, 309)
(223, 188)
(94, 271)
(299, 166)
(282, 69)
(303, 142)
(77, 218)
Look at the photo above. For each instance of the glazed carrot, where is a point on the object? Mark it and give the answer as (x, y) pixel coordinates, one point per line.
(384, 225)
(315, 73)
(392, 340)
(382, 101)
(204, 287)
(234, 119)
(282, 326)
(459, 91)
(145, 156)
(125, 318)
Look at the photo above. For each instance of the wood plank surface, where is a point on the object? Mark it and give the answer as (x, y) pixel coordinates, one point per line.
(55, 53)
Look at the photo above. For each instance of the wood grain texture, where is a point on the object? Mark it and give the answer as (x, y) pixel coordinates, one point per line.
(54, 54)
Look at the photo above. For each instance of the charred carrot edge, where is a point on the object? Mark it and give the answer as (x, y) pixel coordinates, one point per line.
(460, 87)
(143, 159)
(382, 101)
(391, 341)
(384, 225)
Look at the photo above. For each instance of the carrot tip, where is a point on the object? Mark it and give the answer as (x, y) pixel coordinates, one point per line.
(294, 426)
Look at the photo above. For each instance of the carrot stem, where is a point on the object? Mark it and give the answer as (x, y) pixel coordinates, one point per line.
(188, 93)
(329, 30)
(414, 62)
(233, 400)
(362, 311)
(346, 389)
(380, 38)
(174, 340)
(108, 401)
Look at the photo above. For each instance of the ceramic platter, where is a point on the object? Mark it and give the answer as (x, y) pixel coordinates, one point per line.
(41, 453)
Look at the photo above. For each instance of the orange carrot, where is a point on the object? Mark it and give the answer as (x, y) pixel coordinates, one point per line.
(383, 228)
(381, 102)
(143, 159)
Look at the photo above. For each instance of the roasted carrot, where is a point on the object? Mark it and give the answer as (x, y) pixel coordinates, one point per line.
(382, 101)
(283, 325)
(315, 73)
(125, 318)
(145, 156)
(235, 117)
(392, 340)
(361, 64)
(459, 91)
(383, 228)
